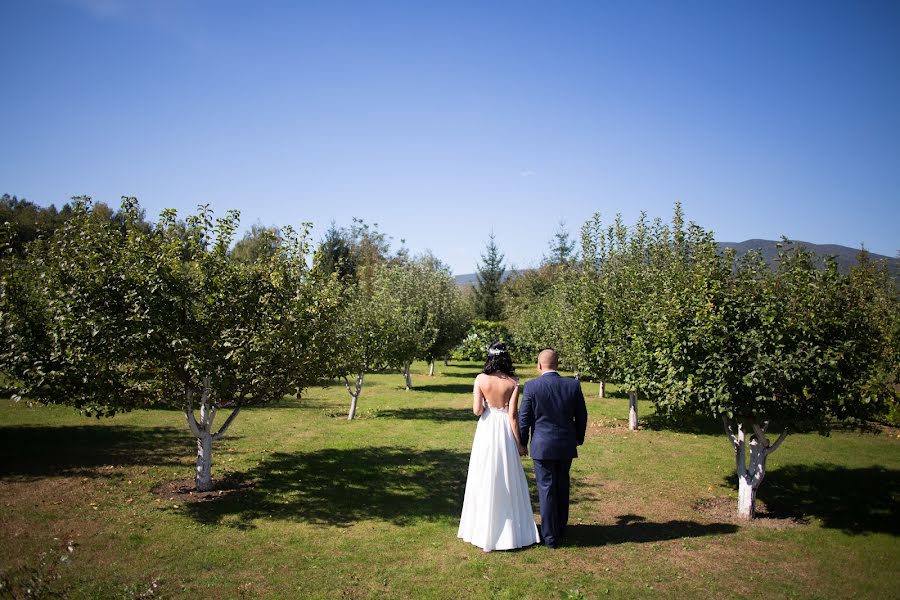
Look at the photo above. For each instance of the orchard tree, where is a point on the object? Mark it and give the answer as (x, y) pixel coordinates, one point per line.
(446, 309)
(258, 244)
(359, 343)
(402, 312)
(109, 317)
(530, 309)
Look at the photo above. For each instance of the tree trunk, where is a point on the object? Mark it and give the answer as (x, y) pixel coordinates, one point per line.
(602, 393)
(632, 411)
(203, 476)
(431, 368)
(354, 394)
(746, 499)
(407, 376)
(750, 476)
(446, 361)
(202, 431)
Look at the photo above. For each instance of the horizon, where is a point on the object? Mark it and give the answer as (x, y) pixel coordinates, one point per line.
(443, 124)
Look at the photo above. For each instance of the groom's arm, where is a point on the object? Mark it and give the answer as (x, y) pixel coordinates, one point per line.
(526, 416)
(580, 415)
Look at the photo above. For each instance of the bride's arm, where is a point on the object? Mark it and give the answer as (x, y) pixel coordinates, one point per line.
(477, 400)
(514, 416)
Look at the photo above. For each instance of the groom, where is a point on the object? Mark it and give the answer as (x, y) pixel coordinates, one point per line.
(553, 409)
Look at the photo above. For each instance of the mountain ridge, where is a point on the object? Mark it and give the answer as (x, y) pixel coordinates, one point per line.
(845, 256)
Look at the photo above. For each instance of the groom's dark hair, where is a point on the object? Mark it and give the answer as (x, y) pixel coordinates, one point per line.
(498, 359)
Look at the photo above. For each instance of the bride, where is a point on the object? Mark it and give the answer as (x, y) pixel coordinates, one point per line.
(496, 513)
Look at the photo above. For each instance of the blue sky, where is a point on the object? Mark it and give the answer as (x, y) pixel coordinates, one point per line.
(443, 122)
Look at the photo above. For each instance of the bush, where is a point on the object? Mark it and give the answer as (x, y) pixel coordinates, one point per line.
(482, 334)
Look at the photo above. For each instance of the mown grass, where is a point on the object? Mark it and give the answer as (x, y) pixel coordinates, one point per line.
(370, 508)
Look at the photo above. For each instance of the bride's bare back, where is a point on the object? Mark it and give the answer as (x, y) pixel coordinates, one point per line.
(498, 391)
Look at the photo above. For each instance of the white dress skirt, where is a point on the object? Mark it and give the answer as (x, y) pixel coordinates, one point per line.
(496, 513)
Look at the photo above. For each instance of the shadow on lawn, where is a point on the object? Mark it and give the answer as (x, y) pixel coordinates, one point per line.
(636, 529)
(864, 500)
(696, 424)
(445, 388)
(429, 414)
(342, 486)
(28, 451)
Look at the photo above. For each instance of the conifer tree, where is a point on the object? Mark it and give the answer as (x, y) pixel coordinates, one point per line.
(487, 289)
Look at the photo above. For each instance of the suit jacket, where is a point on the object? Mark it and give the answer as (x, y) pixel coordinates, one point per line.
(554, 413)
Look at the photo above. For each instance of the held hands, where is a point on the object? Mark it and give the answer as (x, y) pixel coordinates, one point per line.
(523, 451)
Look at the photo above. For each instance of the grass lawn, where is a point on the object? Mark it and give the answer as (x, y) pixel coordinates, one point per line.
(370, 508)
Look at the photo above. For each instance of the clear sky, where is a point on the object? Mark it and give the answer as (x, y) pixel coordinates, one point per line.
(445, 121)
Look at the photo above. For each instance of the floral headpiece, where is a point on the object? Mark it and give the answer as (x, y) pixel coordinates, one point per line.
(496, 351)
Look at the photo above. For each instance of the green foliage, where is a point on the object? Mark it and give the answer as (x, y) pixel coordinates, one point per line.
(487, 301)
(258, 244)
(335, 255)
(698, 331)
(482, 334)
(530, 308)
(110, 317)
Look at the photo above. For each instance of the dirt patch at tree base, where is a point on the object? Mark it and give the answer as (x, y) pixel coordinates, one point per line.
(183, 490)
(725, 510)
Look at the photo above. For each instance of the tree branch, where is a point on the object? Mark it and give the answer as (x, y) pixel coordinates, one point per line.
(189, 412)
(731, 438)
(777, 443)
(761, 435)
(227, 423)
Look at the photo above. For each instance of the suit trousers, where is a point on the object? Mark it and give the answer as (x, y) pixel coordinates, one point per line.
(552, 478)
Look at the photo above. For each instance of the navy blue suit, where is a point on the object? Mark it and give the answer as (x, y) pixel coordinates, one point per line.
(554, 414)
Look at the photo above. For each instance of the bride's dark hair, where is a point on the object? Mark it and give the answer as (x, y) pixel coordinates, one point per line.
(498, 360)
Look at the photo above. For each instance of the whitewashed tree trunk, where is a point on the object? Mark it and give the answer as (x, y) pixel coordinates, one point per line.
(406, 375)
(602, 392)
(431, 368)
(750, 476)
(202, 430)
(203, 476)
(632, 411)
(354, 394)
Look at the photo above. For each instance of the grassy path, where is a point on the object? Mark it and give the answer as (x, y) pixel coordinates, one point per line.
(369, 509)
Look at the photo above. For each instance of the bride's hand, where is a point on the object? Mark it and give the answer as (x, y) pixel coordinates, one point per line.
(523, 451)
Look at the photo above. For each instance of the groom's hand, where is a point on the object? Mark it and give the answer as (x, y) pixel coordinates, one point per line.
(523, 451)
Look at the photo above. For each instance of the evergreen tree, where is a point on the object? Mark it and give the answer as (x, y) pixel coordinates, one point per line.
(487, 289)
(335, 253)
(562, 248)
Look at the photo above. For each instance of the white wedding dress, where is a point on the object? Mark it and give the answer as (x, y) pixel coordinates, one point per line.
(496, 512)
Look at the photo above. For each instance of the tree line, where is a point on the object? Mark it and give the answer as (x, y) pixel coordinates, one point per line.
(658, 309)
(106, 312)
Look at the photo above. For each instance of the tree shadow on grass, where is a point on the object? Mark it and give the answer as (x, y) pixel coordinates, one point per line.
(41, 451)
(343, 486)
(429, 414)
(471, 375)
(856, 501)
(696, 424)
(636, 529)
(445, 388)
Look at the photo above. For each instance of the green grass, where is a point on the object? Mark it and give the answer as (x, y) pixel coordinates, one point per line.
(370, 508)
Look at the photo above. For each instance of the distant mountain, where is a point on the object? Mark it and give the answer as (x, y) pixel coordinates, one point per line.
(470, 278)
(844, 255)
